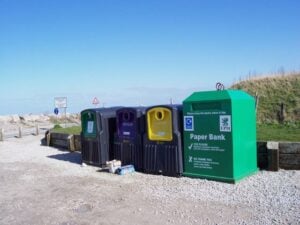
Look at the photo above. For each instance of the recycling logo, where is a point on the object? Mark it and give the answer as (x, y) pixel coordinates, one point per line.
(225, 123)
(189, 123)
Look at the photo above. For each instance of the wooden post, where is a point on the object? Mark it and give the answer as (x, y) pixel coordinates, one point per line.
(256, 101)
(37, 130)
(71, 143)
(273, 155)
(282, 112)
(1, 134)
(48, 138)
(20, 132)
(262, 155)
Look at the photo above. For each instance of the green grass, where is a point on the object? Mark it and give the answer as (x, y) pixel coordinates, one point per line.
(68, 130)
(278, 132)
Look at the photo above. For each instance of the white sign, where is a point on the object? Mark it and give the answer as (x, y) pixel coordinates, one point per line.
(60, 102)
(90, 127)
(225, 123)
(188, 123)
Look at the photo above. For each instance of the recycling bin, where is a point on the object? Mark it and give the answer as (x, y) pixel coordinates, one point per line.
(98, 128)
(129, 136)
(162, 143)
(219, 135)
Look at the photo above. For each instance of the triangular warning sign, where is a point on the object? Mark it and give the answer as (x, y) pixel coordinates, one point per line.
(95, 101)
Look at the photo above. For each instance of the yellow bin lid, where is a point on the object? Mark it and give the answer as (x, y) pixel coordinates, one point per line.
(159, 124)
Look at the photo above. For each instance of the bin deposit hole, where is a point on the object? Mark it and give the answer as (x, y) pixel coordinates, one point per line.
(159, 115)
(126, 116)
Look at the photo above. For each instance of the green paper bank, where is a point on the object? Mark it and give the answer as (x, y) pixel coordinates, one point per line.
(219, 135)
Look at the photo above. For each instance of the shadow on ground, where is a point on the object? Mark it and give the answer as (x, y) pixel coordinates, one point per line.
(73, 157)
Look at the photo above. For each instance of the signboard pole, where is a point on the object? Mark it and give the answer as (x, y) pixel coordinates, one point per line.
(65, 117)
(61, 102)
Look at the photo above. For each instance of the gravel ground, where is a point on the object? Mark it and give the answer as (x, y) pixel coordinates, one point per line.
(42, 185)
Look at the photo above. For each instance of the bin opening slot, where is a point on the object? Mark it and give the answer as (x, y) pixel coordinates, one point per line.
(200, 106)
(159, 115)
(126, 116)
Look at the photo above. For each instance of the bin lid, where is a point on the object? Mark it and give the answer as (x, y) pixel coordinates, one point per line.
(107, 112)
(218, 96)
(159, 123)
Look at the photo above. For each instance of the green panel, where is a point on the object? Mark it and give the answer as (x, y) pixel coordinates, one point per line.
(217, 96)
(89, 124)
(219, 135)
(244, 134)
(207, 149)
(214, 96)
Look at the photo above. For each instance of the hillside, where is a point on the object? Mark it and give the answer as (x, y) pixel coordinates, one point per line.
(278, 97)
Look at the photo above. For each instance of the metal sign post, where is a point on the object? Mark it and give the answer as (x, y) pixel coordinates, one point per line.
(61, 103)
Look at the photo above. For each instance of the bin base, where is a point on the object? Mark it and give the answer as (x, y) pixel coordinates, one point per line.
(232, 180)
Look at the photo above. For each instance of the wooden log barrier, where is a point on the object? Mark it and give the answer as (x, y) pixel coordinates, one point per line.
(289, 155)
(65, 141)
(60, 140)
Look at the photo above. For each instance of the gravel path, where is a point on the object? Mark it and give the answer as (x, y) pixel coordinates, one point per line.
(42, 185)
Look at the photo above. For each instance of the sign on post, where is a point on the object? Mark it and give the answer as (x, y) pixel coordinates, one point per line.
(60, 102)
(56, 111)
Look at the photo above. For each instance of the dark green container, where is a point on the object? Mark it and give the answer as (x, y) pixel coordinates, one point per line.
(220, 135)
(98, 128)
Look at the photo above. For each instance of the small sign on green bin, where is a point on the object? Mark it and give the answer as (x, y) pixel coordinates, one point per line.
(88, 121)
(219, 135)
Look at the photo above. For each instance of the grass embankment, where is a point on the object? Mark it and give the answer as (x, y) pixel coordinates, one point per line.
(273, 92)
(67, 130)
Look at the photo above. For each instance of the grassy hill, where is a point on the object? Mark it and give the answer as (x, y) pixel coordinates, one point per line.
(275, 92)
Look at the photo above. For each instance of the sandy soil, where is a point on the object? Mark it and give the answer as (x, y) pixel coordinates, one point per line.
(43, 185)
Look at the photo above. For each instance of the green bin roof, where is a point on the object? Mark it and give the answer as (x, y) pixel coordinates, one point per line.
(218, 96)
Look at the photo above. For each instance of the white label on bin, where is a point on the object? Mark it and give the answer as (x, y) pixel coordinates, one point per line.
(225, 123)
(90, 127)
(189, 123)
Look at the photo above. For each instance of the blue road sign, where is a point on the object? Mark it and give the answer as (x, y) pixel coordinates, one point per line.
(56, 111)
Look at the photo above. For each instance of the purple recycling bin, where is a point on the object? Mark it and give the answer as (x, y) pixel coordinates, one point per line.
(129, 136)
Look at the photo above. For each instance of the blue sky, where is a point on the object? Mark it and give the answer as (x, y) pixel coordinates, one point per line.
(132, 52)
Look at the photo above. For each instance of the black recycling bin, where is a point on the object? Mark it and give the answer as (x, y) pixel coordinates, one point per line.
(129, 136)
(162, 143)
(98, 128)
